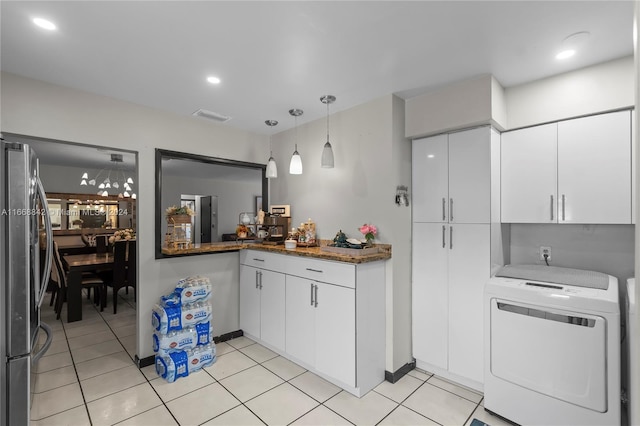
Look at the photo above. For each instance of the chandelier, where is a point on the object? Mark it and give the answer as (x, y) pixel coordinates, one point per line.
(113, 179)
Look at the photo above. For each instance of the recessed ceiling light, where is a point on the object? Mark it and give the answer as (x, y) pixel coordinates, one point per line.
(213, 80)
(571, 44)
(565, 54)
(43, 23)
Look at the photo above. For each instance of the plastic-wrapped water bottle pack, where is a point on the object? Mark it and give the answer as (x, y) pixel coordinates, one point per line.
(183, 336)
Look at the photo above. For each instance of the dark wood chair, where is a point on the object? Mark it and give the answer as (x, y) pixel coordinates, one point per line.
(88, 282)
(124, 269)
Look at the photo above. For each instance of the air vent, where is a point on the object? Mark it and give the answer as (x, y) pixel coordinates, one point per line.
(211, 115)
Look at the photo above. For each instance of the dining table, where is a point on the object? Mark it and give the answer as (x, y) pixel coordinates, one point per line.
(76, 264)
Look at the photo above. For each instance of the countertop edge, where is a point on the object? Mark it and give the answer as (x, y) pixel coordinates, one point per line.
(313, 252)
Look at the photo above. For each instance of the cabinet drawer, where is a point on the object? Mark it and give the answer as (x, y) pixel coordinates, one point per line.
(263, 260)
(343, 274)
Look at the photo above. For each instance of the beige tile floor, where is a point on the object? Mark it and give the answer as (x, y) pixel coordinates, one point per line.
(88, 377)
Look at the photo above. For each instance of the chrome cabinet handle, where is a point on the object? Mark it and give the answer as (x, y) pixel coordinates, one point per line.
(444, 204)
(451, 238)
(258, 260)
(256, 279)
(260, 280)
(316, 296)
(444, 228)
(450, 209)
(314, 270)
(563, 203)
(311, 294)
(551, 206)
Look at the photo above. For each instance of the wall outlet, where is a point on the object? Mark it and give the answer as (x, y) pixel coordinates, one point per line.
(545, 251)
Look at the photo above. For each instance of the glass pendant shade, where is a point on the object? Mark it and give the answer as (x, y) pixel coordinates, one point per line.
(85, 175)
(105, 193)
(84, 182)
(327, 156)
(101, 186)
(134, 196)
(327, 152)
(295, 167)
(129, 180)
(272, 169)
(126, 194)
(92, 182)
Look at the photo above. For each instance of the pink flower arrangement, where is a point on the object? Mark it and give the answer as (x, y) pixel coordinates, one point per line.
(369, 231)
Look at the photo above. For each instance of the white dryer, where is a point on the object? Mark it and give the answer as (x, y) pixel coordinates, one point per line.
(552, 346)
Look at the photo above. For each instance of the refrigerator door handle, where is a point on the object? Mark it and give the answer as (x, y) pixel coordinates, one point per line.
(49, 250)
(45, 347)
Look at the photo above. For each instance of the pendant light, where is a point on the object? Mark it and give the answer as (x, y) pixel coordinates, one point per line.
(327, 152)
(272, 168)
(295, 166)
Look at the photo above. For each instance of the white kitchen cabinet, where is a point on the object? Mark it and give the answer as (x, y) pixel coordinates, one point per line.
(430, 295)
(431, 179)
(529, 175)
(469, 262)
(336, 332)
(594, 169)
(451, 179)
(300, 329)
(334, 315)
(573, 171)
(262, 303)
(450, 266)
(321, 318)
(451, 258)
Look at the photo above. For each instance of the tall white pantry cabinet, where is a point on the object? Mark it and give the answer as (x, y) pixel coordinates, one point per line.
(452, 216)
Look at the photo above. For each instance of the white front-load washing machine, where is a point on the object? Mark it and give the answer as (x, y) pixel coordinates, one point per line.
(552, 346)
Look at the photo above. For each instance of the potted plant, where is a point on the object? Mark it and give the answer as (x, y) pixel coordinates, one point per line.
(242, 231)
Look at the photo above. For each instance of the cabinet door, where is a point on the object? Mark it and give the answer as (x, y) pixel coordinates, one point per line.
(529, 175)
(336, 332)
(249, 301)
(429, 293)
(594, 169)
(301, 319)
(272, 308)
(430, 179)
(469, 270)
(470, 176)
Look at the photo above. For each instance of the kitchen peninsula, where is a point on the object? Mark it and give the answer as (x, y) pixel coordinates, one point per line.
(303, 303)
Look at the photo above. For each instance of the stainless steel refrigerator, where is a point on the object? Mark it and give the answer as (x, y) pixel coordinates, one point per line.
(25, 232)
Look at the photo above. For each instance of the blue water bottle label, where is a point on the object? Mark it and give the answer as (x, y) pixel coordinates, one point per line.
(203, 333)
(174, 317)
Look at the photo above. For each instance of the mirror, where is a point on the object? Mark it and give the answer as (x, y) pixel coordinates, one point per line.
(216, 189)
(76, 211)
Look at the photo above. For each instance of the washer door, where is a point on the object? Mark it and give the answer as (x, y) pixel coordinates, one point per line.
(557, 353)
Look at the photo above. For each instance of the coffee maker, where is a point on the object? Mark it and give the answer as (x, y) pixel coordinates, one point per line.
(277, 224)
(277, 227)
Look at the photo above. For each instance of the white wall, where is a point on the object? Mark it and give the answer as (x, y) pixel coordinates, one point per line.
(35, 108)
(372, 157)
(603, 87)
(460, 105)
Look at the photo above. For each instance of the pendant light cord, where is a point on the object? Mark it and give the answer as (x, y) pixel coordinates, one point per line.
(327, 121)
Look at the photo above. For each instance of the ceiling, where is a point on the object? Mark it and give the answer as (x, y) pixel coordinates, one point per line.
(276, 55)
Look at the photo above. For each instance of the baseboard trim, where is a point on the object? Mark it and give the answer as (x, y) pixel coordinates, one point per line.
(150, 360)
(146, 361)
(228, 336)
(400, 372)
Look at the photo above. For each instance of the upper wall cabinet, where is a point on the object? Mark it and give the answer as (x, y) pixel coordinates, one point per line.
(451, 177)
(574, 171)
